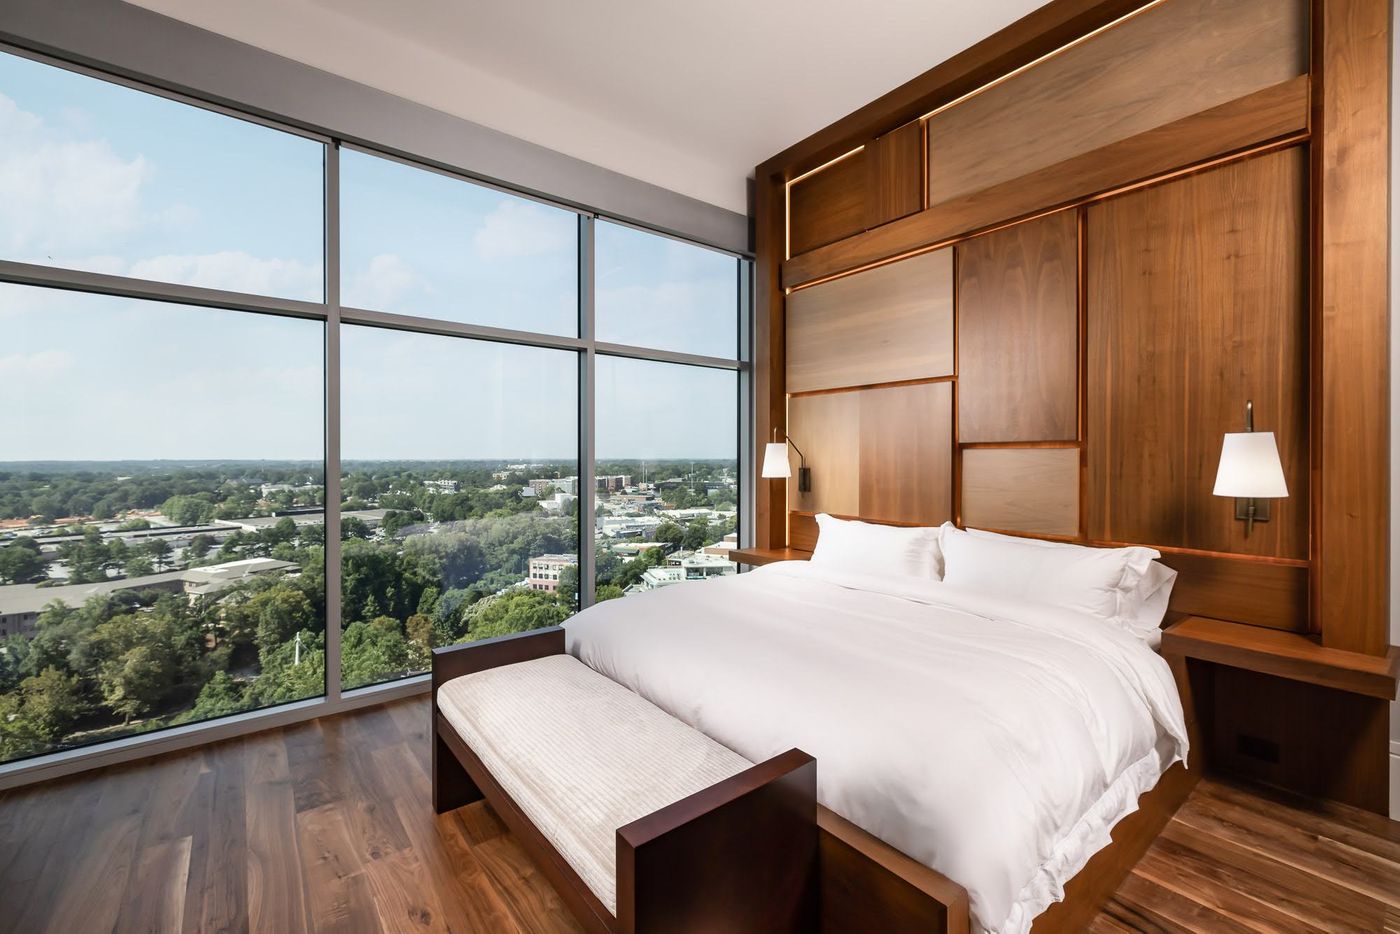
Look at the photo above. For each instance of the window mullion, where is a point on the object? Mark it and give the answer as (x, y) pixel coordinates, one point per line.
(332, 466)
(586, 415)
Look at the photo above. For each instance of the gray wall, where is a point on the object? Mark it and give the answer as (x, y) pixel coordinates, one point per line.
(138, 43)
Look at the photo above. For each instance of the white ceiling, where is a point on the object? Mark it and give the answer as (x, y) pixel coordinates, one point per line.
(686, 95)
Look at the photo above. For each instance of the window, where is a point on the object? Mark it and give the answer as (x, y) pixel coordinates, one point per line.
(419, 243)
(667, 474)
(103, 178)
(460, 466)
(653, 291)
(164, 556)
(161, 526)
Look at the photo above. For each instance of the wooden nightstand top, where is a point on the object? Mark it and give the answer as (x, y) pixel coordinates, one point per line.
(1285, 654)
(760, 556)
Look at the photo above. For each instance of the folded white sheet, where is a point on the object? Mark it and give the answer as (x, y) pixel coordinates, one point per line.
(994, 740)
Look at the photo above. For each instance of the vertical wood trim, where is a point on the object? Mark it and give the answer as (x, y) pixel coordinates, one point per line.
(769, 354)
(1351, 164)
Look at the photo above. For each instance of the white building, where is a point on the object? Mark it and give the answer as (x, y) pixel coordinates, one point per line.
(545, 571)
(558, 503)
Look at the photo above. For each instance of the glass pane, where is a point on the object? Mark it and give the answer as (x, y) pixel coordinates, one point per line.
(667, 474)
(460, 481)
(652, 291)
(161, 518)
(416, 242)
(103, 178)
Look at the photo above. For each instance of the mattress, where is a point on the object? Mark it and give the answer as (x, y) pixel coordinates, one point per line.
(996, 741)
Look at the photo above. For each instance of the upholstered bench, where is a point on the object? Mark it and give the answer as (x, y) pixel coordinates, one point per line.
(641, 823)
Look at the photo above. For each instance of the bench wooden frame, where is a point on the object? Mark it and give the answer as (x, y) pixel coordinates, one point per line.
(861, 883)
(740, 855)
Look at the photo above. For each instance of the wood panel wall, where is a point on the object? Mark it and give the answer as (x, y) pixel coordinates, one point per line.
(881, 454)
(890, 324)
(1277, 294)
(1018, 332)
(878, 183)
(1115, 87)
(1196, 300)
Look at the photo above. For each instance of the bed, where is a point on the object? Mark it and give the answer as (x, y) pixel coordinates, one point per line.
(994, 740)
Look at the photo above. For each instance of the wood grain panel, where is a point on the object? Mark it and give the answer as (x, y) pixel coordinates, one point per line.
(1150, 70)
(1243, 590)
(894, 175)
(1196, 303)
(827, 428)
(1326, 743)
(1018, 333)
(1021, 489)
(827, 205)
(1352, 169)
(885, 325)
(906, 453)
(877, 454)
(1276, 113)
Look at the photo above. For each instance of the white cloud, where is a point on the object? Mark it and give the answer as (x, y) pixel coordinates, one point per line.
(236, 271)
(62, 194)
(387, 280)
(517, 229)
(40, 365)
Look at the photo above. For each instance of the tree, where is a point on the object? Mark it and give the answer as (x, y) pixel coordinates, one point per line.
(20, 561)
(373, 651)
(697, 534)
(567, 589)
(200, 546)
(353, 527)
(518, 611)
(606, 592)
(86, 558)
(670, 533)
(51, 703)
(158, 549)
(281, 612)
(219, 697)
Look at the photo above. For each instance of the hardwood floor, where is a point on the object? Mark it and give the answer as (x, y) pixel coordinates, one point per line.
(327, 826)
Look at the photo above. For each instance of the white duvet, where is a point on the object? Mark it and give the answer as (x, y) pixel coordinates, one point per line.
(997, 741)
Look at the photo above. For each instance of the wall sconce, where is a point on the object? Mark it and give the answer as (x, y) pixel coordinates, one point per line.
(775, 463)
(1250, 470)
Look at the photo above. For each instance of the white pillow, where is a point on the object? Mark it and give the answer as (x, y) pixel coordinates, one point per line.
(878, 549)
(1145, 607)
(1097, 581)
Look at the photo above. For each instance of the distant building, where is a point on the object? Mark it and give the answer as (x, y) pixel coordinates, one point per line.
(656, 578)
(545, 571)
(442, 486)
(212, 578)
(615, 483)
(557, 504)
(370, 517)
(701, 566)
(21, 604)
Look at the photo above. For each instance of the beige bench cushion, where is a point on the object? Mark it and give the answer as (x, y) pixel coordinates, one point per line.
(580, 755)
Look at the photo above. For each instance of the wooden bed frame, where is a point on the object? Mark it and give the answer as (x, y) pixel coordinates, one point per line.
(738, 855)
(861, 884)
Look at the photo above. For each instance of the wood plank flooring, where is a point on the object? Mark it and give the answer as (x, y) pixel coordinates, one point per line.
(327, 826)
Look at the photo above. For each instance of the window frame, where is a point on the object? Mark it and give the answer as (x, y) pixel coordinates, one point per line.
(332, 314)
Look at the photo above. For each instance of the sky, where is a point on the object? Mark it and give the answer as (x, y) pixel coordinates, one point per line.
(99, 177)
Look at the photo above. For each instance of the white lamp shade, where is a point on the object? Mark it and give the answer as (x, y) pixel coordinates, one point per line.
(775, 460)
(1250, 467)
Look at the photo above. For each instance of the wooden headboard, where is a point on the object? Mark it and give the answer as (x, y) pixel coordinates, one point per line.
(1052, 339)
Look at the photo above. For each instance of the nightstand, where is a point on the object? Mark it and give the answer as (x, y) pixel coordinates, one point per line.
(1280, 707)
(757, 557)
